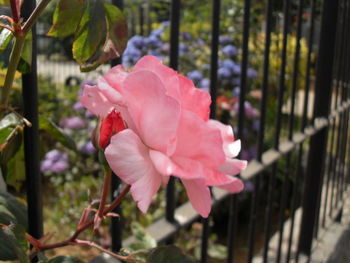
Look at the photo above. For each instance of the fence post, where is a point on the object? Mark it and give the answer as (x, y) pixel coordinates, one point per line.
(318, 142)
(31, 136)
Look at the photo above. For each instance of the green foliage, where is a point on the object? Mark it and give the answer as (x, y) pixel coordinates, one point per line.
(13, 221)
(14, 243)
(26, 56)
(143, 239)
(11, 127)
(56, 133)
(99, 29)
(168, 254)
(5, 2)
(64, 259)
(5, 39)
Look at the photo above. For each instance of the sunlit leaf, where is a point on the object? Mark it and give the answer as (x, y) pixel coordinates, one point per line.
(11, 127)
(15, 170)
(217, 251)
(91, 33)
(5, 2)
(56, 132)
(5, 39)
(99, 28)
(67, 17)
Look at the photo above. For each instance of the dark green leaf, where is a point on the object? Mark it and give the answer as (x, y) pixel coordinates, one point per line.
(5, 39)
(12, 210)
(91, 33)
(168, 254)
(64, 259)
(56, 132)
(67, 17)
(14, 243)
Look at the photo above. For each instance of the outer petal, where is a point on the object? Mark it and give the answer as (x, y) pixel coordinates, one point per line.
(95, 101)
(111, 94)
(232, 166)
(199, 141)
(155, 114)
(179, 166)
(115, 77)
(129, 159)
(194, 99)
(224, 181)
(199, 195)
(168, 76)
(231, 147)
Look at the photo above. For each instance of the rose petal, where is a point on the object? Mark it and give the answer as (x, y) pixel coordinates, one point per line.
(155, 114)
(224, 181)
(95, 101)
(232, 166)
(129, 158)
(199, 195)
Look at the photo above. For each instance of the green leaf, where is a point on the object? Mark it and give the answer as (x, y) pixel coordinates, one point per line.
(25, 62)
(13, 243)
(5, 38)
(99, 28)
(56, 132)
(91, 33)
(11, 127)
(168, 254)
(66, 17)
(144, 240)
(64, 259)
(115, 42)
(15, 170)
(217, 251)
(12, 210)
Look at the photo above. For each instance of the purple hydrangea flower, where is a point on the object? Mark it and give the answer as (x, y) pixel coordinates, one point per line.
(249, 186)
(204, 83)
(249, 110)
(59, 166)
(54, 161)
(45, 165)
(53, 155)
(88, 148)
(74, 123)
(230, 50)
(136, 41)
(78, 106)
(236, 92)
(186, 36)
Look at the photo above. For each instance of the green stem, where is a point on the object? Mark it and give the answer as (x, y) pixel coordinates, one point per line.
(34, 16)
(11, 71)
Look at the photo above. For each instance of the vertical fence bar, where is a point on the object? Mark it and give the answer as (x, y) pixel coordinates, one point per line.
(215, 23)
(116, 224)
(31, 136)
(299, 170)
(261, 134)
(282, 88)
(174, 60)
(318, 142)
(286, 182)
(241, 120)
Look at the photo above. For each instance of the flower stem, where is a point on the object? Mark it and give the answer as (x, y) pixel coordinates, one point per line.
(123, 258)
(73, 238)
(105, 189)
(15, 11)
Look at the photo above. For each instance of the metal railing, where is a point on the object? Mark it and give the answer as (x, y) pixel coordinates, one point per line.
(304, 173)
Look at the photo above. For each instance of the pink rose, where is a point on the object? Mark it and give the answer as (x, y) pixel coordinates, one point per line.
(168, 133)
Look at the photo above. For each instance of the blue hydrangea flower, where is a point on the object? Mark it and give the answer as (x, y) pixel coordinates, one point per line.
(230, 50)
(195, 76)
(225, 40)
(224, 73)
(252, 73)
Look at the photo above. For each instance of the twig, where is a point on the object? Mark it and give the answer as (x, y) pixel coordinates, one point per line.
(34, 16)
(124, 258)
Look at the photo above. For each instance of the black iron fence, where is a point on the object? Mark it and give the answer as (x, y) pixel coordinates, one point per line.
(300, 176)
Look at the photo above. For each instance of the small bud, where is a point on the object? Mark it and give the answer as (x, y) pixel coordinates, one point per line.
(107, 127)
